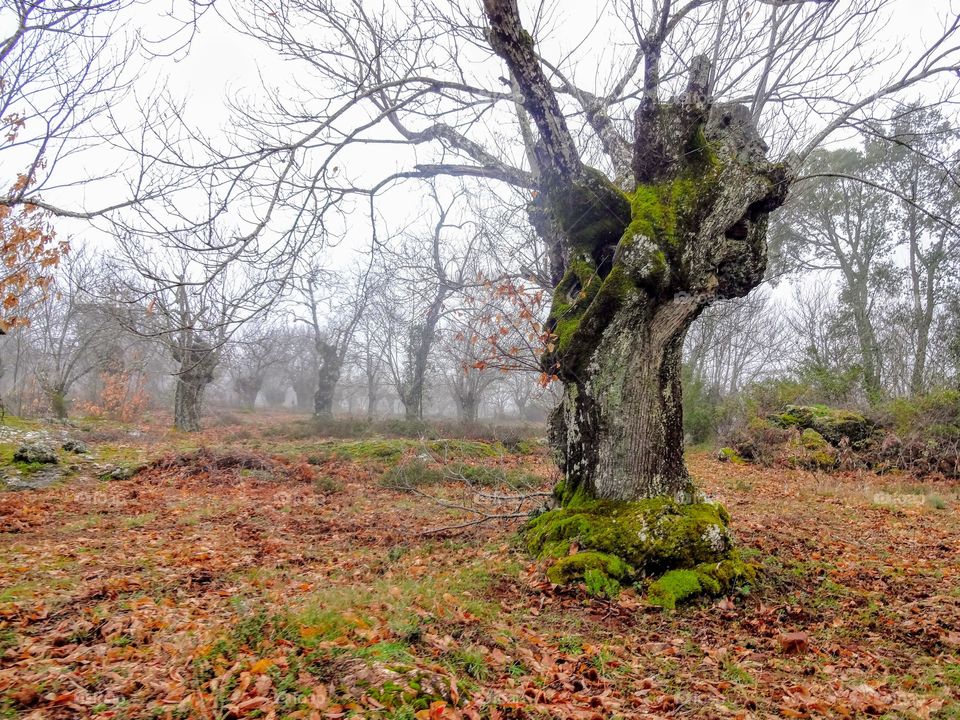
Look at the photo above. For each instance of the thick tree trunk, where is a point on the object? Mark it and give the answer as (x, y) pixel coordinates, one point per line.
(323, 399)
(413, 406)
(373, 399)
(468, 407)
(59, 404)
(327, 377)
(619, 428)
(247, 389)
(188, 403)
(197, 362)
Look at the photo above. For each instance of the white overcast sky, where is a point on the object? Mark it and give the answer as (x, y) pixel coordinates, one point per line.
(222, 63)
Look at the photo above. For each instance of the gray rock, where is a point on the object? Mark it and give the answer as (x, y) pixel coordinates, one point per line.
(36, 452)
(121, 473)
(76, 446)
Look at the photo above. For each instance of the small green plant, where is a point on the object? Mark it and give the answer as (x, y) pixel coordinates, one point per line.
(387, 651)
(472, 662)
(121, 641)
(327, 485)
(139, 521)
(936, 502)
(736, 674)
(516, 669)
(404, 713)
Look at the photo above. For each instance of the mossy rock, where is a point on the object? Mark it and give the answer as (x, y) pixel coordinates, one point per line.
(393, 685)
(650, 536)
(832, 424)
(711, 579)
(810, 450)
(35, 453)
(812, 440)
(730, 455)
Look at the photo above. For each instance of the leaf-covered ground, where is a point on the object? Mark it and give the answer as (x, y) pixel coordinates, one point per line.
(280, 574)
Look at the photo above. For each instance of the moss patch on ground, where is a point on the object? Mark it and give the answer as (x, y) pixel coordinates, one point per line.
(679, 586)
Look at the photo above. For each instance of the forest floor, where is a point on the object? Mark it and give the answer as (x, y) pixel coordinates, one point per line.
(284, 575)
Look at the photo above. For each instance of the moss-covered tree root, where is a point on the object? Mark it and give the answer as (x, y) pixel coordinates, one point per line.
(689, 547)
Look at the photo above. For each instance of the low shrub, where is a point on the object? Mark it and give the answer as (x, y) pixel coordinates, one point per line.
(412, 474)
(920, 436)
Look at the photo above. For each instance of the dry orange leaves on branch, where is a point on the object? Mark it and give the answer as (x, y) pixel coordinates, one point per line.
(29, 250)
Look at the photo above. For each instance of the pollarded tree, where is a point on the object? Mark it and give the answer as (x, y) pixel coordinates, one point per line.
(192, 305)
(253, 352)
(331, 306)
(652, 193)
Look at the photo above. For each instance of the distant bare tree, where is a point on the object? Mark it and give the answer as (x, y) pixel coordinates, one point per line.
(738, 342)
(192, 307)
(254, 350)
(465, 375)
(370, 359)
(426, 273)
(331, 305)
(73, 334)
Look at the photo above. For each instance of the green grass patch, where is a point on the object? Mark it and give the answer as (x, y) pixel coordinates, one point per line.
(139, 521)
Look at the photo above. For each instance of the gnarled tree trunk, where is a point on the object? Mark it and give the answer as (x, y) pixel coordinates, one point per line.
(197, 363)
(640, 267)
(619, 428)
(468, 406)
(330, 361)
(635, 262)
